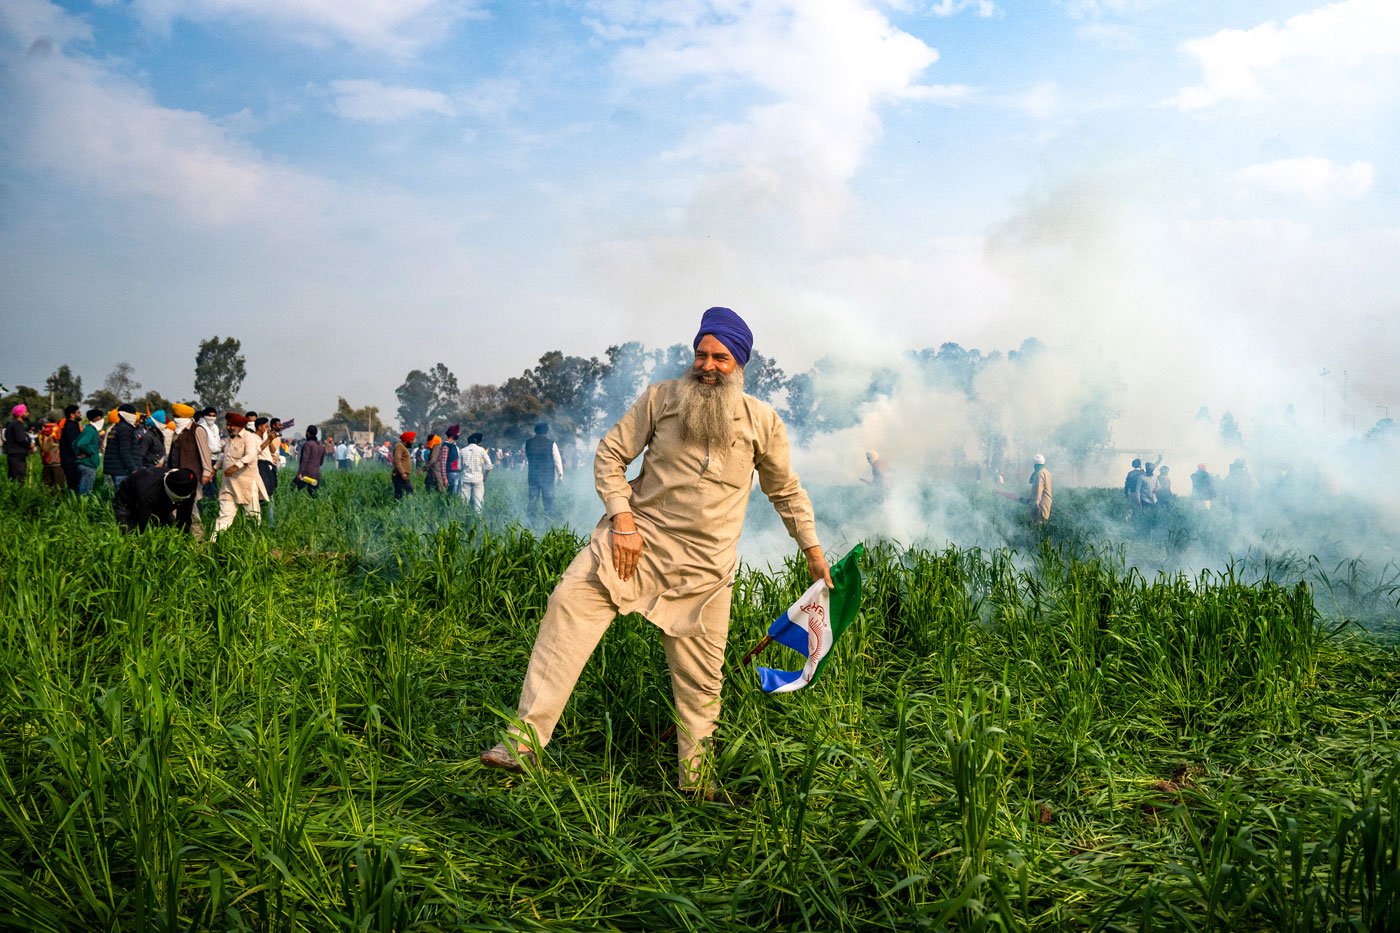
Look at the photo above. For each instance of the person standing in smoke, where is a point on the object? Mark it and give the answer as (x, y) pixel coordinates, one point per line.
(1238, 488)
(877, 472)
(476, 463)
(1164, 487)
(1040, 498)
(546, 468)
(1202, 487)
(1131, 489)
(667, 544)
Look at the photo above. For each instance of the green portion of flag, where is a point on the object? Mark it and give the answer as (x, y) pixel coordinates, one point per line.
(845, 600)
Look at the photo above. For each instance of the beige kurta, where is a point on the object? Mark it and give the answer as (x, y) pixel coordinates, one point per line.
(1040, 495)
(242, 482)
(689, 505)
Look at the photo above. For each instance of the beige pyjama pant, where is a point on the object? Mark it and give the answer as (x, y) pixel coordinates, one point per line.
(579, 612)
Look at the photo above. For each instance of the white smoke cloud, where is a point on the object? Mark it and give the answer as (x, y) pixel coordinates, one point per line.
(1313, 178)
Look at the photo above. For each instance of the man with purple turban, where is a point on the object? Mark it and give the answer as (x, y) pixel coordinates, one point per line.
(18, 445)
(667, 546)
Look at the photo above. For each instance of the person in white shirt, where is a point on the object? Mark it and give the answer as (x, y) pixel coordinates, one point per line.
(476, 463)
(342, 455)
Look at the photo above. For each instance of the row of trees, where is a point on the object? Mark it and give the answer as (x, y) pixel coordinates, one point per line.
(219, 372)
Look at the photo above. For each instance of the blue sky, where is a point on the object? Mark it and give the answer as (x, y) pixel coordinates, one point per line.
(1202, 193)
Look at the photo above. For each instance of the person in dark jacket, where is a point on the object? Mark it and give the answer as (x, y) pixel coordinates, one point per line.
(150, 446)
(155, 496)
(119, 459)
(68, 431)
(309, 459)
(546, 467)
(17, 444)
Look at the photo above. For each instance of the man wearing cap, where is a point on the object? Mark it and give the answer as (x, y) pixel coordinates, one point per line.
(156, 496)
(402, 465)
(667, 545)
(17, 444)
(119, 459)
(242, 487)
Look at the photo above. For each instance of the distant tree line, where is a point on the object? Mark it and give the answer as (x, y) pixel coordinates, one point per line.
(581, 396)
(218, 375)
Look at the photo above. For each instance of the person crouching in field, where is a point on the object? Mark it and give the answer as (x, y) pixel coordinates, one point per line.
(242, 487)
(156, 496)
(667, 545)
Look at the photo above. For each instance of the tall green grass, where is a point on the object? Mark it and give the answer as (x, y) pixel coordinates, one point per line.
(279, 730)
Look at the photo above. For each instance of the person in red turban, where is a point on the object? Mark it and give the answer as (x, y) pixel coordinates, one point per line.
(402, 464)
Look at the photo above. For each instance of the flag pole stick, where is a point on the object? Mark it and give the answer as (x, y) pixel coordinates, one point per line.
(753, 652)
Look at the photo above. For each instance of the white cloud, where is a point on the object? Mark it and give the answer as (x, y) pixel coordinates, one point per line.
(65, 114)
(1313, 178)
(817, 69)
(983, 8)
(374, 102)
(399, 27)
(1042, 102)
(1327, 50)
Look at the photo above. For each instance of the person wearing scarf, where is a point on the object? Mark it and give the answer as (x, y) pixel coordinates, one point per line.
(667, 545)
(150, 449)
(190, 448)
(120, 458)
(242, 487)
(402, 467)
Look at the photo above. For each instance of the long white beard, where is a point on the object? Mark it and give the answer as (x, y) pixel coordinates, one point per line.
(707, 411)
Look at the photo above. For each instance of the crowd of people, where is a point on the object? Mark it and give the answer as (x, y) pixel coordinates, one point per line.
(240, 464)
(1148, 486)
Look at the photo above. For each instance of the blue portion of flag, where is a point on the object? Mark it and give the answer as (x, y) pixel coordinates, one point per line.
(788, 633)
(771, 680)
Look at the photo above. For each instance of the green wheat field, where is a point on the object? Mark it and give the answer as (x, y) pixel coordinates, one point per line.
(279, 731)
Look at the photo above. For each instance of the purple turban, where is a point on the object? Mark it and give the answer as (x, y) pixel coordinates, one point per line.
(729, 329)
